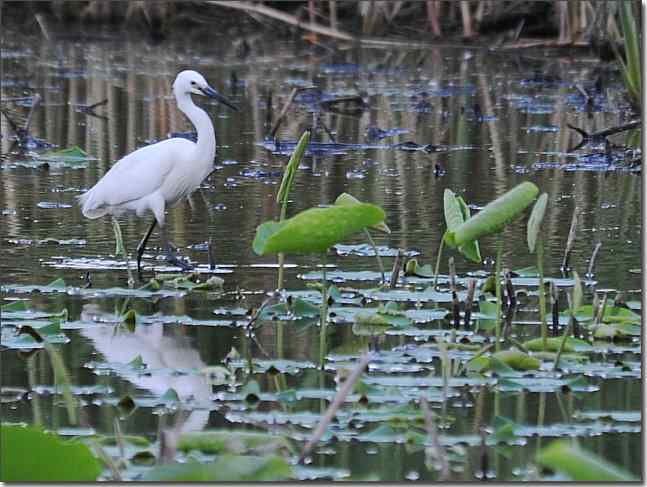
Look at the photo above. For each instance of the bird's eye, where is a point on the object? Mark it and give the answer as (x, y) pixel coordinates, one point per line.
(193, 83)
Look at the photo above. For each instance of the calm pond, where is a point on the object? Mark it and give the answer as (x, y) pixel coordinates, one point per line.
(494, 119)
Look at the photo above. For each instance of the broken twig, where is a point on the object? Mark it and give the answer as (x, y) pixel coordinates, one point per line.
(338, 400)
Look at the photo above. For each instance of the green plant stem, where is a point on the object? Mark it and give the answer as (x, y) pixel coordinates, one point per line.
(120, 249)
(540, 416)
(440, 253)
(567, 332)
(497, 326)
(380, 264)
(542, 291)
(323, 314)
(284, 209)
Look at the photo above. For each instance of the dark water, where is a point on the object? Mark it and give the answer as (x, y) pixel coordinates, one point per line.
(498, 119)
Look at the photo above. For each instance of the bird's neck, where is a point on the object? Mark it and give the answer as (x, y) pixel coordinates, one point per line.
(206, 146)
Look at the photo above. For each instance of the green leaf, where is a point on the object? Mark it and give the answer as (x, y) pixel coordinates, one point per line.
(530, 271)
(348, 199)
(15, 306)
(456, 213)
(296, 308)
(71, 154)
(553, 343)
(315, 230)
(580, 465)
(130, 319)
(453, 215)
(412, 268)
(495, 216)
(504, 428)
(224, 468)
(217, 442)
(264, 232)
(517, 360)
(169, 398)
(617, 330)
(57, 284)
(291, 167)
(535, 220)
(31, 455)
(137, 363)
(612, 314)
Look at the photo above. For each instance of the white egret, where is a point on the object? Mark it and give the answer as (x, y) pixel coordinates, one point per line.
(159, 175)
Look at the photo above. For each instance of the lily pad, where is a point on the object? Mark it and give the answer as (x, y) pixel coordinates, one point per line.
(224, 468)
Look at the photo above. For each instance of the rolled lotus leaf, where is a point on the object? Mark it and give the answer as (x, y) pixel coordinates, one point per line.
(534, 222)
(494, 216)
(315, 230)
(456, 213)
(292, 166)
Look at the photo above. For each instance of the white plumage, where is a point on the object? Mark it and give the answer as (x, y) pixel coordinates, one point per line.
(159, 175)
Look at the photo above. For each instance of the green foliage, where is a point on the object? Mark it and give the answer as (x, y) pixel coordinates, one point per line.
(217, 442)
(617, 330)
(32, 455)
(291, 168)
(224, 468)
(71, 154)
(315, 230)
(580, 465)
(552, 345)
(612, 314)
(14, 306)
(504, 362)
(456, 213)
(372, 322)
(631, 70)
(535, 220)
(296, 308)
(495, 216)
(412, 268)
(346, 199)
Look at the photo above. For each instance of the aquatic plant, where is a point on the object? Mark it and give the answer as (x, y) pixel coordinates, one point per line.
(491, 220)
(284, 190)
(536, 241)
(314, 231)
(38, 456)
(630, 65)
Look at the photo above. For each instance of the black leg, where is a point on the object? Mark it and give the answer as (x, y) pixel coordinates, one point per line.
(142, 246)
(171, 256)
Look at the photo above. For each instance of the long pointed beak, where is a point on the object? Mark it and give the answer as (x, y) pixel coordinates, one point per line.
(211, 93)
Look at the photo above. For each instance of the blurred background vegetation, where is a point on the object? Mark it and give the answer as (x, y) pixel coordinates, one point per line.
(610, 28)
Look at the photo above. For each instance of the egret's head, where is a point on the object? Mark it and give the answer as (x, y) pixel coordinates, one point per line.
(193, 83)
